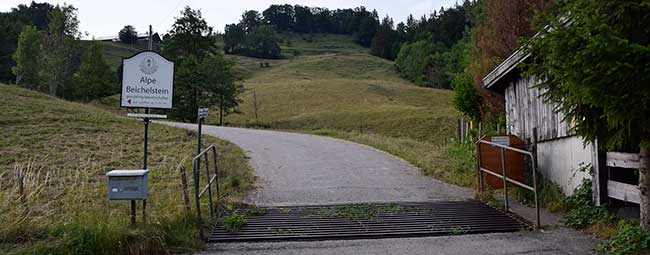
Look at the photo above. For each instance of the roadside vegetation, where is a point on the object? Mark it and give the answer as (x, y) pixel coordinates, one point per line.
(621, 236)
(63, 150)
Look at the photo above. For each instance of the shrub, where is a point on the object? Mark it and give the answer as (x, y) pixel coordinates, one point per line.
(582, 211)
(629, 239)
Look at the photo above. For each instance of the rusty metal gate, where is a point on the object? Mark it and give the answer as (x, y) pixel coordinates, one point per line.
(364, 221)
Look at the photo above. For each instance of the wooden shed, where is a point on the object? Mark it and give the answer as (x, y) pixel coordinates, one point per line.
(560, 154)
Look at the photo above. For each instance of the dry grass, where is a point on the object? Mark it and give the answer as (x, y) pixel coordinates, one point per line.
(64, 150)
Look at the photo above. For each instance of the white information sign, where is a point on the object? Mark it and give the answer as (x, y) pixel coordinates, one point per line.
(501, 140)
(147, 81)
(203, 113)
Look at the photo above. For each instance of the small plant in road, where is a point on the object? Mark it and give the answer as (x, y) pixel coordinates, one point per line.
(257, 212)
(234, 222)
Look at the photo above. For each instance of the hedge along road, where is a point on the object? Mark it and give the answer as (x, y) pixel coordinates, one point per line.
(295, 169)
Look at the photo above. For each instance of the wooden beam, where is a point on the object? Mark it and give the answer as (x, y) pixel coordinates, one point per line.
(623, 191)
(623, 160)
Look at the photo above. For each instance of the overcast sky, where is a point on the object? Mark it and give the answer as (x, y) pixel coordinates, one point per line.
(106, 17)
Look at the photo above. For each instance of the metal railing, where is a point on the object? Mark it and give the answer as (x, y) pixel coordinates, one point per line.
(504, 176)
(212, 180)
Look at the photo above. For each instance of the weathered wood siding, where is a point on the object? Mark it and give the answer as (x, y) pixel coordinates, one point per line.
(525, 110)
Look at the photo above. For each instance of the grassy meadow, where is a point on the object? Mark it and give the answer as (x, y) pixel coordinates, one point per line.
(114, 52)
(64, 150)
(345, 92)
(295, 44)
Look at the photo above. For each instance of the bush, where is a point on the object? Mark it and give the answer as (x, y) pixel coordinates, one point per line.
(582, 211)
(630, 239)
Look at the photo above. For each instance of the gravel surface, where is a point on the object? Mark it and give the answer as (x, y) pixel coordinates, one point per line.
(295, 169)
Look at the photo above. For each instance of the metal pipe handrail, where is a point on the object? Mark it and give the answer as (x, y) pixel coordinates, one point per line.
(196, 171)
(204, 151)
(506, 147)
(504, 174)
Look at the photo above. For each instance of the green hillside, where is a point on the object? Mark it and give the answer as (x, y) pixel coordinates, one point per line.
(347, 92)
(114, 52)
(64, 150)
(315, 44)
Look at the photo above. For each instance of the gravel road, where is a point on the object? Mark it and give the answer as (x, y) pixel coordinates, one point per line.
(298, 169)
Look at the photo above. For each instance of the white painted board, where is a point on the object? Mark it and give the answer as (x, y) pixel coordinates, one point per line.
(147, 81)
(501, 140)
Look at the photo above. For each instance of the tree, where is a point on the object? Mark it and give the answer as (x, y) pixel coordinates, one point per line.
(234, 37)
(466, 97)
(304, 19)
(258, 41)
(413, 61)
(27, 57)
(203, 76)
(11, 24)
(205, 82)
(280, 17)
(368, 23)
(190, 36)
(592, 58)
(59, 48)
(386, 42)
(225, 91)
(263, 43)
(503, 24)
(95, 78)
(250, 20)
(36, 14)
(128, 35)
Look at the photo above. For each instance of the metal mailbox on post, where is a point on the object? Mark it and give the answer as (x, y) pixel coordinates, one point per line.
(127, 184)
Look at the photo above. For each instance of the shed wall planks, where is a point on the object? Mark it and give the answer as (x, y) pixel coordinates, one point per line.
(526, 109)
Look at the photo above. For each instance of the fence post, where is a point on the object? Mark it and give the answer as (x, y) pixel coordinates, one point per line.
(216, 174)
(195, 172)
(186, 196)
(481, 179)
(207, 171)
(459, 130)
(505, 182)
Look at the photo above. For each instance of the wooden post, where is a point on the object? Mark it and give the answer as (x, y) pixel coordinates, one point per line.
(462, 129)
(534, 147)
(185, 192)
(459, 131)
(600, 175)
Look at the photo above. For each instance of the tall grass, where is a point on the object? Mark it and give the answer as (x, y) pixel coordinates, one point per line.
(63, 151)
